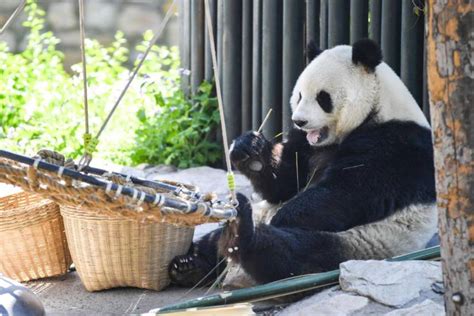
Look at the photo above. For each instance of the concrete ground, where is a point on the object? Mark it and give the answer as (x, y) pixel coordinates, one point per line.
(65, 295)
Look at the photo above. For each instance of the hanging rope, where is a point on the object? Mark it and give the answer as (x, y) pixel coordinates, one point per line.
(90, 142)
(230, 174)
(15, 13)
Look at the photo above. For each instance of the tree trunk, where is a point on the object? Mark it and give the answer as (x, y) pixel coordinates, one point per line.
(450, 80)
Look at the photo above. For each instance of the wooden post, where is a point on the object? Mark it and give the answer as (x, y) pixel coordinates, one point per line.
(450, 80)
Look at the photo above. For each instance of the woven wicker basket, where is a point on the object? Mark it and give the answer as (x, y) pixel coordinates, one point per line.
(112, 251)
(32, 239)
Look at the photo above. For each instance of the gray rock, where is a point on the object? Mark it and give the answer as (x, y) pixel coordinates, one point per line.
(10, 39)
(390, 283)
(329, 302)
(62, 15)
(134, 20)
(427, 307)
(8, 5)
(68, 38)
(101, 15)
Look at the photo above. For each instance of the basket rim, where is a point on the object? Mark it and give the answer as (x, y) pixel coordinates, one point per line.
(35, 201)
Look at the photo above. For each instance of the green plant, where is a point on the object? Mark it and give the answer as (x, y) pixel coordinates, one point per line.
(180, 132)
(41, 104)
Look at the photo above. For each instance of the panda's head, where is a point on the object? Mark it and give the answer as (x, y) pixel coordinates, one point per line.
(336, 92)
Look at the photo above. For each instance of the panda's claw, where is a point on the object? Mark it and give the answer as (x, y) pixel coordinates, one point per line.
(186, 271)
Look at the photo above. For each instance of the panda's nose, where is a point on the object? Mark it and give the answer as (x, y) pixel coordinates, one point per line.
(300, 123)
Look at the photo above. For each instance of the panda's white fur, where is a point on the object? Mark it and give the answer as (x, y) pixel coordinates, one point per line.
(355, 92)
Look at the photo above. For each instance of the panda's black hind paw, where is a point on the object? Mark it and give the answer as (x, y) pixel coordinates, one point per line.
(188, 270)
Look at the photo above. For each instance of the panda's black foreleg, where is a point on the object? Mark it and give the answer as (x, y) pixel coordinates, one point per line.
(196, 266)
(272, 167)
(270, 253)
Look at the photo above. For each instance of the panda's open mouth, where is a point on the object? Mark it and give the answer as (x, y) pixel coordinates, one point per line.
(316, 136)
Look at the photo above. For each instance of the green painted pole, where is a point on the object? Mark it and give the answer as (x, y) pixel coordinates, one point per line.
(411, 64)
(359, 21)
(271, 66)
(285, 287)
(375, 25)
(208, 71)
(247, 7)
(232, 67)
(313, 8)
(257, 65)
(338, 22)
(323, 25)
(293, 53)
(185, 42)
(197, 44)
(390, 41)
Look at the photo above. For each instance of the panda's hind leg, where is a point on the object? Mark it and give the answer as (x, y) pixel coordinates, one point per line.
(199, 264)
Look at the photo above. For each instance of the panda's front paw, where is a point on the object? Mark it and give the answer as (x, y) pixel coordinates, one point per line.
(250, 152)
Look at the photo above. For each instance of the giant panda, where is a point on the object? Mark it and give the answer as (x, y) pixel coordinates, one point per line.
(365, 170)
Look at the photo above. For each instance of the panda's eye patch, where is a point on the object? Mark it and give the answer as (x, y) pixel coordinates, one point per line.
(299, 98)
(324, 100)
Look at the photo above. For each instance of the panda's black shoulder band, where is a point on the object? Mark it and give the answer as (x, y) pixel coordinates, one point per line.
(367, 53)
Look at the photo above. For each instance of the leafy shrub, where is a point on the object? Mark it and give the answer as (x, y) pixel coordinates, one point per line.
(41, 104)
(179, 133)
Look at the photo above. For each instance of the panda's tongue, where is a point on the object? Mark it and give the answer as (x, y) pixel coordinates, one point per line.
(313, 136)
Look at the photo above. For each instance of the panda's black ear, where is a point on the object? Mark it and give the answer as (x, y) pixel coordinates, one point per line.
(312, 51)
(366, 52)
